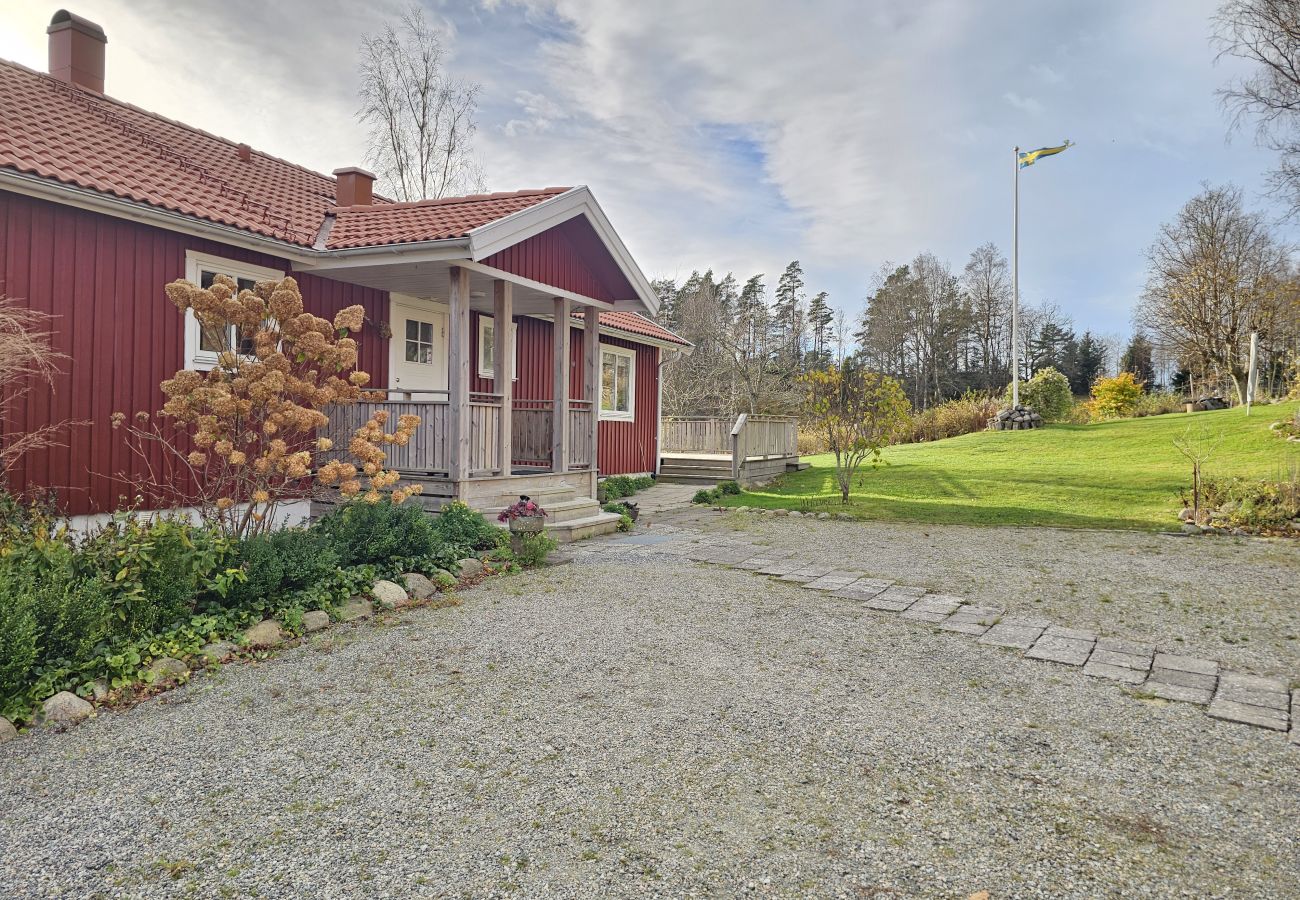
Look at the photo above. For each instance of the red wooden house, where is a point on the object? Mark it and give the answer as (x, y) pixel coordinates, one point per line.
(102, 204)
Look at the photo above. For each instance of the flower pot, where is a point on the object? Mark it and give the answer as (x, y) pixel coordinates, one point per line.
(527, 524)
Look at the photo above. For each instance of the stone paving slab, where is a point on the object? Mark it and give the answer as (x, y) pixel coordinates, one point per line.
(1108, 657)
(782, 567)
(1113, 673)
(1278, 700)
(1246, 714)
(1186, 664)
(971, 619)
(1132, 648)
(1019, 637)
(754, 563)
(1067, 651)
(1181, 693)
(807, 572)
(1184, 679)
(933, 608)
(1242, 681)
(890, 601)
(1070, 634)
(1028, 621)
(834, 580)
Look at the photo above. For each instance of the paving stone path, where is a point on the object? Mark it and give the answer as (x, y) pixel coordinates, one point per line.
(1264, 702)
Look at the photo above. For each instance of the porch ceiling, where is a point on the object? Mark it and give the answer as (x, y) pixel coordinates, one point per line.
(431, 280)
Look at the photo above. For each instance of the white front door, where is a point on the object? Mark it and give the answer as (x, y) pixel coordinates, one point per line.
(418, 354)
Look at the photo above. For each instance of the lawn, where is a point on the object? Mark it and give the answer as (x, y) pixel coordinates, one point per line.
(1121, 474)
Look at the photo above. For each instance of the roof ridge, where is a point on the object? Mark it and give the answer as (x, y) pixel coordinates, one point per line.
(451, 201)
(55, 82)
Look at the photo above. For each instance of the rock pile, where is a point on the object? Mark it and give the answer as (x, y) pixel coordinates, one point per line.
(1207, 403)
(1017, 418)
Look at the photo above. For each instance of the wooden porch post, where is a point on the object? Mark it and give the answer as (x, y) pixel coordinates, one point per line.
(560, 421)
(504, 367)
(591, 377)
(458, 377)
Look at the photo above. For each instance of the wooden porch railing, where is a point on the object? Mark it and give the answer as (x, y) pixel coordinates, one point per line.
(747, 437)
(580, 412)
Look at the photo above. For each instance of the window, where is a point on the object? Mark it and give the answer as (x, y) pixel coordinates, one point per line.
(203, 345)
(487, 348)
(419, 342)
(617, 383)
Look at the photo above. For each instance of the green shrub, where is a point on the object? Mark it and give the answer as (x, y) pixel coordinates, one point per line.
(1116, 398)
(642, 482)
(1252, 502)
(1047, 393)
(534, 548)
(625, 522)
(460, 525)
(966, 414)
(18, 637)
(154, 569)
(619, 508)
(706, 496)
(277, 564)
(362, 532)
(729, 487)
(1159, 403)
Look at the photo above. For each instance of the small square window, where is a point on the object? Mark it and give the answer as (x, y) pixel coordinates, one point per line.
(617, 383)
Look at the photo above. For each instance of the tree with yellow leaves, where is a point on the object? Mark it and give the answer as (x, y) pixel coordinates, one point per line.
(857, 412)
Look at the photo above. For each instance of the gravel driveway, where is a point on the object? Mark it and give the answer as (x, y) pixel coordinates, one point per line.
(649, 726)
(1236, 600)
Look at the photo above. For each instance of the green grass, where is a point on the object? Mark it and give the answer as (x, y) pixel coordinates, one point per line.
(1123, 474)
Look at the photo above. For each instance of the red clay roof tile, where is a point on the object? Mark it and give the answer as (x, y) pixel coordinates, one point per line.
(635, 323)
(54, 130)
(426, 220)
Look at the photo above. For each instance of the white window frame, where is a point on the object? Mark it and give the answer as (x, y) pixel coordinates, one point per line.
(613, 414)
(486, 371)
(195, 264)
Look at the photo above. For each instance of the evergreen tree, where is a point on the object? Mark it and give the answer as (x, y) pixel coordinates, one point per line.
(820, 317)
(1138, 359)
(787, 316)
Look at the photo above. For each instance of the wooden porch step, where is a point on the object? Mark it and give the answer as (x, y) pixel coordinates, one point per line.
(701, 480)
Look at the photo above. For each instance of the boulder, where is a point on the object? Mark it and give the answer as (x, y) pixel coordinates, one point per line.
(795, 514)
(7, 730)
(165, 667)
(219, 650)
(419, 587)
(64, 709)
(1192, 528)
(99, 690)
(356, 608)
(389, 595)
(315, 620)
(823, 515)
(1186, 514)
(265, 633)
(469, 568)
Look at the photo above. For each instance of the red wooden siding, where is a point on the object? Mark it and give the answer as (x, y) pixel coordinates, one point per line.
(102, 278)
(570, 256)
(622, 447)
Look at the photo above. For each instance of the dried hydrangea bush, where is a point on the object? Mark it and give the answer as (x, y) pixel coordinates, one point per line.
(246, 432)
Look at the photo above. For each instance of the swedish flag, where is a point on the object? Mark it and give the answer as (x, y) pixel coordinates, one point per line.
(1029, 157)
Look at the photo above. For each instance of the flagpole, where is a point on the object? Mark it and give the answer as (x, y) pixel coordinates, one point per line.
(1015, 278)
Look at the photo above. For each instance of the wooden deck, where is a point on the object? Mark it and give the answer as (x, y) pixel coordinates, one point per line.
(751, 449)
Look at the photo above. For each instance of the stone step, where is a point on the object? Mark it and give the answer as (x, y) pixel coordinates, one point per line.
(577, 529)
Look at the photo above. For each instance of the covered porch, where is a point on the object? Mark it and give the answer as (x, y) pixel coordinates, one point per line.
(485, 434)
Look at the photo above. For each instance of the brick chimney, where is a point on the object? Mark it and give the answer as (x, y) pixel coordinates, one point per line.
(355, 187)
(77, 51)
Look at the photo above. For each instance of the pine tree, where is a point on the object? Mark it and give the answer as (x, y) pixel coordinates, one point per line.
(1138, 359)
(787, 316)
(820, 317)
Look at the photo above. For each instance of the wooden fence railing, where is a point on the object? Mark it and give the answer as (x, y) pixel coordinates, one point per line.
(744, 438)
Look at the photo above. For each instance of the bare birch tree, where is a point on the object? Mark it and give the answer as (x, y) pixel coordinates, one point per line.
(421, 120)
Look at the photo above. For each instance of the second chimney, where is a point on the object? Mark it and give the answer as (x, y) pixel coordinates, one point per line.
(77, 51)
(355, 187)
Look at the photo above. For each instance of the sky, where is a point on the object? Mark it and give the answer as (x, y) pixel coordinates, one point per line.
(738, 135)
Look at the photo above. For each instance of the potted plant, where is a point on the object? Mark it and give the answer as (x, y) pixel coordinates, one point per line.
(523, 516)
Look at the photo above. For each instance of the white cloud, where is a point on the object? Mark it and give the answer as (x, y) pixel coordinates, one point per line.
(734, 134)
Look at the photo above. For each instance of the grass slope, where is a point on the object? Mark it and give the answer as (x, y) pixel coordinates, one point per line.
(1120, 474)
